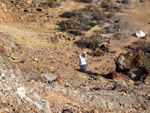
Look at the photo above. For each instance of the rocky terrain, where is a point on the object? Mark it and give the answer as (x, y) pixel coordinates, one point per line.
(39, 66)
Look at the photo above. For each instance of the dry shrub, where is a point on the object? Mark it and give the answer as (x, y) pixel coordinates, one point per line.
(67, 15)
(85, 1)
(126, 1)
(53, 3)
(97, 52)
(50, 1)
(123, 36)
(108, 5)
(81, 20)
(143, 45)
(71, 27)
(92, 42)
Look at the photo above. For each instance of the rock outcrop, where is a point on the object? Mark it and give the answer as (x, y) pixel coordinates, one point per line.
(135, 64)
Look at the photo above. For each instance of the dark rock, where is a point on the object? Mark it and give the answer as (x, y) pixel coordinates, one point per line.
(67, 111)
(142, 0)
(39, 9)
(22, 61)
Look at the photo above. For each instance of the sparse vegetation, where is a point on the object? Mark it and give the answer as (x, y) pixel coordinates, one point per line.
(126, 1)
(53, 3)
(82, 20)
(85, 1)
(38, 55)
(90, 42)
(95, 43)
(50, 2)
(143, 45)
(67, 15)
(122, 36)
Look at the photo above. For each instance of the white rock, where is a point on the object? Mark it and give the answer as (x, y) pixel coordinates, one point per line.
(1, 94)
(37, 97)
(2, 74)
(39, 106)
(49, 76)
(13, 76)
(21, 92)
(46, 108)
(140, 34)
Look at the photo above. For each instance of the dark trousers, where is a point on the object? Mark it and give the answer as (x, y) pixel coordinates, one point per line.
(83, 68)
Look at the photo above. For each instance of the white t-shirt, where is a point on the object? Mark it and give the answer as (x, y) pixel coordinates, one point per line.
(82, 60)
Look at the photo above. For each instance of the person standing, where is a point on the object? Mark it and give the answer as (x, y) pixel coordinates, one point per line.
(83, 65)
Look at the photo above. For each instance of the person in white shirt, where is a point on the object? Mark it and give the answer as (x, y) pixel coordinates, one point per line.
(83, 65)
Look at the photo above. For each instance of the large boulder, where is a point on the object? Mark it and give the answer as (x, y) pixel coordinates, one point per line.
(135, 64)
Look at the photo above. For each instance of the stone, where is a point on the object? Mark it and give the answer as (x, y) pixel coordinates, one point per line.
(67, 111)
(147, 80)
(120, 64)
(60, 81)
(102, 79)
(29, 1)
(49, 77)
(37, 97)
(45, 8)
(2, 74)
(1, 94)
(3, 6)
(22, 61)
(21, 92)
(46, 108)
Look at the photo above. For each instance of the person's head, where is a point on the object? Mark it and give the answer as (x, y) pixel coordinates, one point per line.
(83, 55)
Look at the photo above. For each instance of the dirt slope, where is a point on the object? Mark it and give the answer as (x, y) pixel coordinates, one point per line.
(33, 45)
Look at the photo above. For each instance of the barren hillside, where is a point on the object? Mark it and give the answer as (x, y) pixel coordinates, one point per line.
(39, 66)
